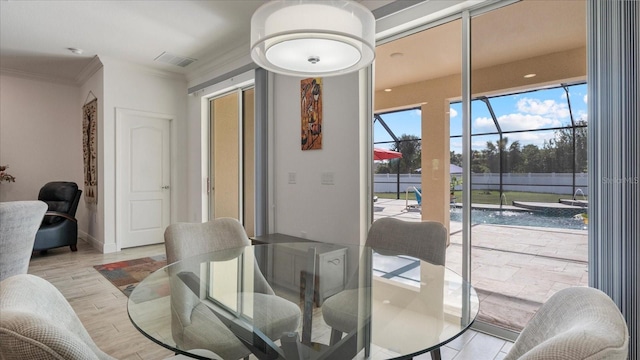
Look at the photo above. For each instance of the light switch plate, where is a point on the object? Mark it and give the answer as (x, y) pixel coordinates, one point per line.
(327, 178)
(292, 178)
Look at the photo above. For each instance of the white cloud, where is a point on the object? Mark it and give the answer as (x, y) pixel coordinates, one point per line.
(543, 107)
(418, 112)
(535, 138)
(582, 115)
(585, 98)
(485, 124)
(516, 121)
(452, 113)
(478, 145)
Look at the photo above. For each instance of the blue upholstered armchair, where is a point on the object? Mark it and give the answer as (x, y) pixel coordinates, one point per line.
(59, 227)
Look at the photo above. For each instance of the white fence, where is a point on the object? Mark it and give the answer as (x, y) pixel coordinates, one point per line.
(554, 183)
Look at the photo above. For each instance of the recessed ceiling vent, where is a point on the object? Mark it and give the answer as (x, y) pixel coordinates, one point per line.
(176, 60)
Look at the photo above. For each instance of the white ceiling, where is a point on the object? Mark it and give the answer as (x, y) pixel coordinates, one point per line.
(35, 35)
(519, 31)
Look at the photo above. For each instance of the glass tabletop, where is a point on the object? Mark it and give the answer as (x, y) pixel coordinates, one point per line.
(302, 301)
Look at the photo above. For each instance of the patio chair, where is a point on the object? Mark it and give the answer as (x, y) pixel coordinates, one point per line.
(418, 193)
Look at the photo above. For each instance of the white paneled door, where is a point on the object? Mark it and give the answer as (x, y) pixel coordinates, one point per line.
(143, 205)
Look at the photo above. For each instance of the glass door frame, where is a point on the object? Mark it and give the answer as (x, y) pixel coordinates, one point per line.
(239, 90)
(465, 15)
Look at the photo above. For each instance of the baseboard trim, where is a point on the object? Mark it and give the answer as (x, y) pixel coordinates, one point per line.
(97, 244)
(495, 331)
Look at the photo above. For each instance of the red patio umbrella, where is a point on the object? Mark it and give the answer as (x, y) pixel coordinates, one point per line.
(385, 154)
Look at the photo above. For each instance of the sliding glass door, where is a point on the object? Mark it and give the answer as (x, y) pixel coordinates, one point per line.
(529, 198)
(232, 157)
(502, 147)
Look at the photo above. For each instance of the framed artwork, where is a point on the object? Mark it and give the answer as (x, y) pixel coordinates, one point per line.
(311, 113)
(90, 150)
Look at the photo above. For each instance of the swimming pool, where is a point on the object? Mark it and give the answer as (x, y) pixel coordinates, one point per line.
(518, 218)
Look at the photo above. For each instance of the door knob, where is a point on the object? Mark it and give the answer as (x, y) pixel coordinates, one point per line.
(165, 187)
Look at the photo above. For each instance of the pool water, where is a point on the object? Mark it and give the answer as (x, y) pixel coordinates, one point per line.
(518, 218)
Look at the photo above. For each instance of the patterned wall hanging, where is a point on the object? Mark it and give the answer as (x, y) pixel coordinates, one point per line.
(90, 149)
(311, 113)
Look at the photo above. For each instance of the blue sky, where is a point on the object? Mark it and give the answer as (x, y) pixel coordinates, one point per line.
(539, 109)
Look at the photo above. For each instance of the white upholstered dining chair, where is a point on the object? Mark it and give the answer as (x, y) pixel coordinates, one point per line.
(19, 222)
(575, 323)
(425, 240)
(194, 326)
(37, 323)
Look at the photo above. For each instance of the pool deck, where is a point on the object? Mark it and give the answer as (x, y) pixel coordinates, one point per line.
(514, 268)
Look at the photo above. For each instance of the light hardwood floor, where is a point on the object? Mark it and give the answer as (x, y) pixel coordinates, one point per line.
(102, 308)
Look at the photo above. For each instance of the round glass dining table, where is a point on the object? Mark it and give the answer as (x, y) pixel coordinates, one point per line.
(303, 301)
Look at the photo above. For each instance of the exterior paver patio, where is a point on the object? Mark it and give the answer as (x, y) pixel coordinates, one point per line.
(514, 269)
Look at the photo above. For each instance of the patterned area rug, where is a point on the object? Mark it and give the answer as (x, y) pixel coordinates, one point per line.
(125, 275)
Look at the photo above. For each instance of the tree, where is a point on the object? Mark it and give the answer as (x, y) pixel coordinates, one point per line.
(383, 168)
(411, 149)
(556, 155)
(479, 162)
(513, 161)
(531, 159)
(455, 158)
(493, 155)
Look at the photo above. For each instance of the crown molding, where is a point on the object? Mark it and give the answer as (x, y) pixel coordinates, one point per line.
(166, 74)
(218, 65)
(38, 77)
(89, 70)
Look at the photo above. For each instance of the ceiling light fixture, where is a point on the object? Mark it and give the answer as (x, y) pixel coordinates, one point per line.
(387, 90)
(528, 76)
(76, 51)
(312, 38)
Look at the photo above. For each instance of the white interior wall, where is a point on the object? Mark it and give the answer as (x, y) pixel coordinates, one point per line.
(40, 137)
(327, 213)
(90, 226)
(128, 86)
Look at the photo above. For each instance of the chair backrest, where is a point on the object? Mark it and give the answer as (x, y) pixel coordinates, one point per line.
(575, 323)
(426, 240)
(182, 240)
(418, 193)
(60, 196)
(37, 322)
(19, 223)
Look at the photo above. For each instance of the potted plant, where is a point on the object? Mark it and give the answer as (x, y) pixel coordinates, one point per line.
(4, 176)
(455, 181)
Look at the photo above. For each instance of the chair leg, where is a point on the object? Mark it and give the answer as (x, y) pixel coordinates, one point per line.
(435, 354)
(336, 335)
(73, 247)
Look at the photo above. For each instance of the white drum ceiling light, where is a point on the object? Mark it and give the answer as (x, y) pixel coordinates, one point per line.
(312, 38)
